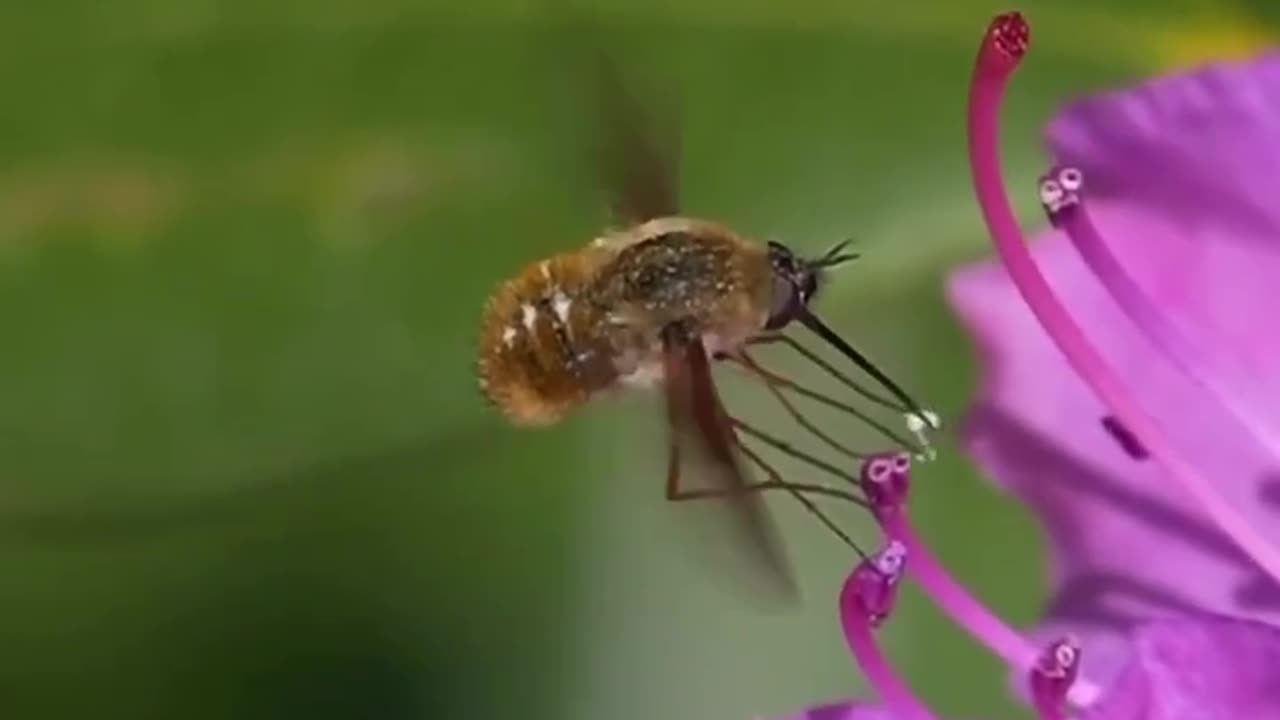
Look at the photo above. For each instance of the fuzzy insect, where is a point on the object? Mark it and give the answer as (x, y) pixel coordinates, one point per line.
(651, 305)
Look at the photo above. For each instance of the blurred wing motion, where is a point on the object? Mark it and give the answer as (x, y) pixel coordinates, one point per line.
(705, 463)
(640, 171)
(640, 174)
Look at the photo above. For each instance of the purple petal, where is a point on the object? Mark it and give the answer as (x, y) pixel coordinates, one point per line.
(1207, 669)
(1198, 146)
(1126, 546)
(1199, 668)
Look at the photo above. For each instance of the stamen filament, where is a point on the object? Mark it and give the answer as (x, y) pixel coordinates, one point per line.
(956, 600)
(969, 612)
(1211, 372)
(1002, 48)
(1050, 712)
(885, 481)
(865, 601)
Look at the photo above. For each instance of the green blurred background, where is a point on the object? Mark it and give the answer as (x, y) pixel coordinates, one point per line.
(243, 251)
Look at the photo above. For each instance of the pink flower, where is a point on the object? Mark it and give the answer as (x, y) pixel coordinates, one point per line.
(1206, 669)
(1139, 416)
(1192, 668)
(1165, 273)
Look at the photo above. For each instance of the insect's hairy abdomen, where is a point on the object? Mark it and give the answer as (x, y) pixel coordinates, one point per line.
(541, 349)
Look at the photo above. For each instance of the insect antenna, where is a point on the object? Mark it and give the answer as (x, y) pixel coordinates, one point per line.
(798, 492)
(835, 256)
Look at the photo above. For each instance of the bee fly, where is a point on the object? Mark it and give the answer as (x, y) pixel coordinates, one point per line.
(651, 304)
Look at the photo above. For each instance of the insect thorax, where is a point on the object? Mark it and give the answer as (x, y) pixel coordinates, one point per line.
(706, 280)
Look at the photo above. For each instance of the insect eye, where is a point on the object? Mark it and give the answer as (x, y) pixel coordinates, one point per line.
(1050, 192)
(781, 258)
(786, 302)
(902, 462)
(1071, 179)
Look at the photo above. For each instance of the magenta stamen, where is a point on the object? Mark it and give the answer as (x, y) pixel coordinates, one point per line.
(866, 600)
(1052, 676)
(956, 600)
(1062, 193)
(995, 63)
(886, 483)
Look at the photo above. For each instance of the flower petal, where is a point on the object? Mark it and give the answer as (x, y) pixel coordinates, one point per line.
(1200, 146)
(1203, 669)
(1126, 545)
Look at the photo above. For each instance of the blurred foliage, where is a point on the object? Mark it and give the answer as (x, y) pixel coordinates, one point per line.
(243, 247)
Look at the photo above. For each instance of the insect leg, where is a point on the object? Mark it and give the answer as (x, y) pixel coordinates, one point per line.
(778, 382)
(675, 493)
(776, 477)
(816, 359)
(819, 328)
(746, 361)
(705, 443)
(673, 472)
(789, 449)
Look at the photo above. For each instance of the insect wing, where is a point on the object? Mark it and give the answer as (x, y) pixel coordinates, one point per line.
(703, 451)
(638, 164)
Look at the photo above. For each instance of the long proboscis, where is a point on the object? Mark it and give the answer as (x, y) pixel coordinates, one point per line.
(819, 328)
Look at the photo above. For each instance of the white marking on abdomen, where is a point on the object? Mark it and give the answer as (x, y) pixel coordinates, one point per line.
(529, 316)
(561, 304)
(508, 336)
